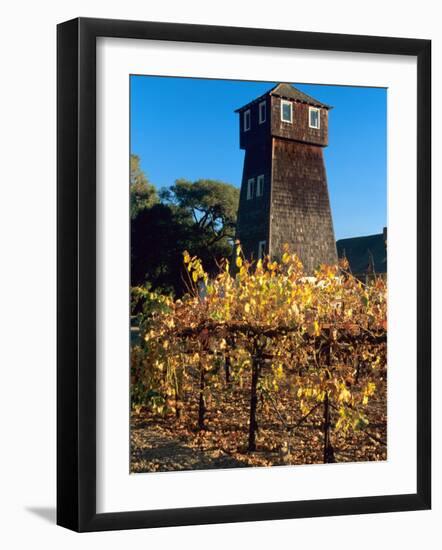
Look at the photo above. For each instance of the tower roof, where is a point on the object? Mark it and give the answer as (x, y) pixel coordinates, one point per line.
(287, 91)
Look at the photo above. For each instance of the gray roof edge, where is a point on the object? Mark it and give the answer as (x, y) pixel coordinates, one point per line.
(360, 237)
(257, 100)
(304, 98)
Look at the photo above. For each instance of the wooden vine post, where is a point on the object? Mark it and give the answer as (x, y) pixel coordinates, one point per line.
(227, 362)
(328, 447)
(203, 346)
(202, 403)
(177, 400)
(256, 369)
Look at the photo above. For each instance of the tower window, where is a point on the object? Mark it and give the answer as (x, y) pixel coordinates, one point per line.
(286, 111)
(262, 112)
(247, 116)
(250, 186)
(260, 185)
(261, 249)
(314, 118)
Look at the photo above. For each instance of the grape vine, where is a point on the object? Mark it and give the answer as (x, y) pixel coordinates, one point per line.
(268, 328)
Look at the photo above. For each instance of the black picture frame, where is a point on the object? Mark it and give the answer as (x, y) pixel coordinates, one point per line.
(76, 274)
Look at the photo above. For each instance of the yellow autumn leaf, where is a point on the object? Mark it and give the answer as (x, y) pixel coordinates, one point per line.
(313, 328)
(285, 258)
(344, 395)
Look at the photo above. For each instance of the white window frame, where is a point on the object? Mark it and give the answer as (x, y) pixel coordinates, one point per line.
(262, 119)
(250, 188)
(260, 185)
(247, 118)
(261, 249)
(290, 103)
(310, 111)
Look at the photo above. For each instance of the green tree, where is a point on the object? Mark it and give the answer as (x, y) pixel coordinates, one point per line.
(212, 204)
(142, 193)
(199, 217)
(157, 237)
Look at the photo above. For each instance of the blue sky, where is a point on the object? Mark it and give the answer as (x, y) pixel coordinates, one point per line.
(187, 128)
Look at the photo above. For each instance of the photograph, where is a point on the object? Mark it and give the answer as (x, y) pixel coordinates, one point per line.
(219, 310)
(258, 274)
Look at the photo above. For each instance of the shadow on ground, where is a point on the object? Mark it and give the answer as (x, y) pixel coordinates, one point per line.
(46, 513)
(161, 453)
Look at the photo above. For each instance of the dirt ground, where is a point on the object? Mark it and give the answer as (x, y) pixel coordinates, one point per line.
(165, 443)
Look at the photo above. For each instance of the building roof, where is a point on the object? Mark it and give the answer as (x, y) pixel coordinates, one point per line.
(364, 253)
(287, 91)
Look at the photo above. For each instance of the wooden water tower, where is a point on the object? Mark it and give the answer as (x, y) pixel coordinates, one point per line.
(284, 195)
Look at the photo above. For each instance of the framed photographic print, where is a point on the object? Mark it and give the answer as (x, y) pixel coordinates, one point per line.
(243, 274)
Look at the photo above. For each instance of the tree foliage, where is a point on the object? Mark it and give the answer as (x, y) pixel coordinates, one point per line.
(158, 235)
(143, 194)
(212, 204)
(197, 216)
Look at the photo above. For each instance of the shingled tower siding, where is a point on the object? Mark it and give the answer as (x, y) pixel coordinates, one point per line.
(295, 206)
(300, 211)
(253, 225)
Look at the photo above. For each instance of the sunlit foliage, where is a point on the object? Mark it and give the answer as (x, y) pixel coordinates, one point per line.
(266, 326)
